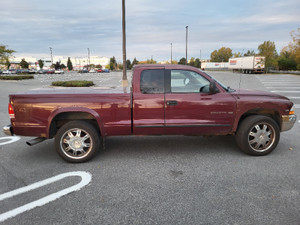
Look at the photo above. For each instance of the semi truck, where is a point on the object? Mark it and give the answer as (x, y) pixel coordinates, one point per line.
(247, 64)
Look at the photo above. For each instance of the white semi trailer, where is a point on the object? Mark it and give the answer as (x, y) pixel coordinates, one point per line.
(247, 64)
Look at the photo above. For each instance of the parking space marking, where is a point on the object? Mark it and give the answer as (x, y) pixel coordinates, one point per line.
(286, 91)
(297, 106)
(85, 180)
(12, 140)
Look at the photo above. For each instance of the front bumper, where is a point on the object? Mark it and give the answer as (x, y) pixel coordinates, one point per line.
(288, 122)
(8, 130)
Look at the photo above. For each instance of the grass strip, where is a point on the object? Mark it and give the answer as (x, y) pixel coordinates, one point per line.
(73, 83)
(18, 77)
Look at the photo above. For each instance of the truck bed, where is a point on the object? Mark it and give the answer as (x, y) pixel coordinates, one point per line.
(35, 109)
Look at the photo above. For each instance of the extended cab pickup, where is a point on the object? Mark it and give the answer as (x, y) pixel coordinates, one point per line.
(163, 100)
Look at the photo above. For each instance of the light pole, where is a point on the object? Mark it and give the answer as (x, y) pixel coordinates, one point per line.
(171, 53)
(124, 78)
(186, 44)
(200, 55)
(89, 62)
(51, 56)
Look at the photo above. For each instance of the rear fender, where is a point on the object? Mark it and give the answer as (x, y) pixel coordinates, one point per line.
(59, 111)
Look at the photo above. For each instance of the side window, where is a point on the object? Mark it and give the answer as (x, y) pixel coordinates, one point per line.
(152, 82)
(184, 81)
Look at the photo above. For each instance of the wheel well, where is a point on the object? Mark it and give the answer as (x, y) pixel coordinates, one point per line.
(63, 118)
(262, 112)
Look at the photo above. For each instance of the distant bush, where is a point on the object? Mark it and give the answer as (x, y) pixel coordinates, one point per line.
(73, 83)
(17, 77)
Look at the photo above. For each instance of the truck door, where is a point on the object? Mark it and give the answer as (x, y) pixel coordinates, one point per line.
(148, 102)
(190, 109)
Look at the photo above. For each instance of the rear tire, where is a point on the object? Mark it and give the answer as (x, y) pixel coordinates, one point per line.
(258, 135)
(77, 141)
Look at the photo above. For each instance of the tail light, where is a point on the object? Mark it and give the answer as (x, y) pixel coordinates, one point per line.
(11, 111)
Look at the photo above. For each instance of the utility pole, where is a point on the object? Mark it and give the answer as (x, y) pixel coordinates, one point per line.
(200, 55)
(51, 56)
(171, 53)
(186, 44)
(89, 61)
(124, 78)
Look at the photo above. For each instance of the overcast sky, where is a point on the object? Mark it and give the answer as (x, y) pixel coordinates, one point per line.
(30, 27)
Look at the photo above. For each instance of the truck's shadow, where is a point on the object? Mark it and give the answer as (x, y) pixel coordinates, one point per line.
(170, 145)
(143, 146)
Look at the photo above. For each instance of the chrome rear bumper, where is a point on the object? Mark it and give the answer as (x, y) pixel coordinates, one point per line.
(288, 122)
(8, 130)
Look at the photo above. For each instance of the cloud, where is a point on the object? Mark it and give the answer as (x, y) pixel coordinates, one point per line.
(71, 26)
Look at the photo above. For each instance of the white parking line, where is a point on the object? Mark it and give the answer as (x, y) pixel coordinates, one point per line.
(85, 179)
(286, 91)
(12, 139)
(282, 87)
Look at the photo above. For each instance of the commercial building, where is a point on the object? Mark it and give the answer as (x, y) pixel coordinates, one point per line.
(77, 62)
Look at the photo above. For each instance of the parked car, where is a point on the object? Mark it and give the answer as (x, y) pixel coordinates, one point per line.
(59, 72)
(50, 72)
(99, 71)
(13, 71)
(105, 70)
(6, 72)
(24, 70)
(85, 70)
(42, 71)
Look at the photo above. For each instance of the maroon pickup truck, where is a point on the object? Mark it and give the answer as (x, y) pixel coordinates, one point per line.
(163, 100)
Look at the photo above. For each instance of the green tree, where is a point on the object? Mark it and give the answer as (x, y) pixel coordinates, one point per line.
(285, 63)
(182, 61)
(24, 64)
(112, 63)
(250, 53)
(268, 50)
(221, 55)
(5, 53)
(57, 66)
(128, 64)
(63, 66)
(237, 55)
(151, 61)
(41, 64)
(69, 64)
(197, 63)
(293, 49)
(192, 61)
(135, 62)
(7, 63)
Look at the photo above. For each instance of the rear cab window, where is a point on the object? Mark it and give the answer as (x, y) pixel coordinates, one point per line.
(152, 81)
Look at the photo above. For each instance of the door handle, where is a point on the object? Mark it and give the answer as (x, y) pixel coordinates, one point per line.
(172, 102)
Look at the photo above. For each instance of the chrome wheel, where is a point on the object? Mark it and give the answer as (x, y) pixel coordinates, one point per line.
(76, 143)
(261, 137)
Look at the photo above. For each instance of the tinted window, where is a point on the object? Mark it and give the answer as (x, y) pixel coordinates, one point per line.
(187, 81)
(152, 81)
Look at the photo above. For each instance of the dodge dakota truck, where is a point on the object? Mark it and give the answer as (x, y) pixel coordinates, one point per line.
(163, 100)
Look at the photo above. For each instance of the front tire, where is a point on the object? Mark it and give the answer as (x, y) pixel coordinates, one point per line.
(258, 135)
(77, 141)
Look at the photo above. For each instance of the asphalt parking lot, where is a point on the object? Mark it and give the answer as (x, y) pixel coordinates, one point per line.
(152, 180)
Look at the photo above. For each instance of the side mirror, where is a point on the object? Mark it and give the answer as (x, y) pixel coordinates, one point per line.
(213, 87)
